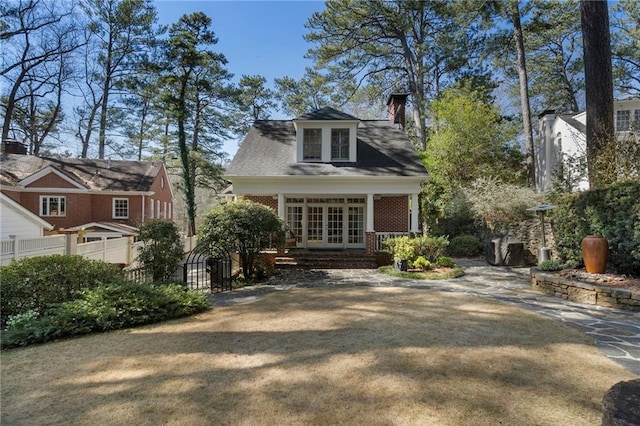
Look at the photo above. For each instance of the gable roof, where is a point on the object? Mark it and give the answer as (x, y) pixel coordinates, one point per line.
(571, 121)
(269, 149)
(326, 113)
(9, 203)
(110, 175)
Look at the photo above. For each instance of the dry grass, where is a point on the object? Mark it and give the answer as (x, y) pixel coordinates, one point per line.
(370, 356)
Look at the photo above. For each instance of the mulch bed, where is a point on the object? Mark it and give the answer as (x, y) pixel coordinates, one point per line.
(606, 279)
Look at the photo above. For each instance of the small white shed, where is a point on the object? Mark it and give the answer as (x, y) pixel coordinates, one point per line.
(17, 221)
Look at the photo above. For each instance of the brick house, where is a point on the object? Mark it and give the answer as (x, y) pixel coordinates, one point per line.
(96, 198)
(335, 180)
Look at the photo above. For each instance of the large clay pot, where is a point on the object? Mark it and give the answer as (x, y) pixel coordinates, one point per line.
(595, 251)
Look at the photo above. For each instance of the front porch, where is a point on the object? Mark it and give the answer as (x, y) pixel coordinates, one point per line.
(344, 222)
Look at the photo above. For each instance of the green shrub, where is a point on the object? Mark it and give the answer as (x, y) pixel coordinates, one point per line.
(401, 248)
(445, 262)
(162, 250)
(430, 247)
(245, 227)
(465, 246)
(422, 263)
(550, 265)
(38, 282)
(109, 307)
(456, 218)
(612, 212)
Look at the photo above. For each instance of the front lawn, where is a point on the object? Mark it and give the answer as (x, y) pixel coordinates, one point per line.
(317, 356)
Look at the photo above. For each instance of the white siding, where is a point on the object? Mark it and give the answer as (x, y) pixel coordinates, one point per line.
(12, 223)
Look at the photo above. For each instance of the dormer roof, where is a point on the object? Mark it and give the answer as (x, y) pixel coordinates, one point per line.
(326, 113)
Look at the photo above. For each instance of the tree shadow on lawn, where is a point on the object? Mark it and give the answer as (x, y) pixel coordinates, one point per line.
(312, 356)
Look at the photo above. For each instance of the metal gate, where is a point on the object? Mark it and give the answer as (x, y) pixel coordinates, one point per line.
(208, 267)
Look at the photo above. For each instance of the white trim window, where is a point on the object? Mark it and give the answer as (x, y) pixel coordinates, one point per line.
(120, 208)
(623, 120)
(636, 120)
(53, 205)
(339, 144)
(312, 145)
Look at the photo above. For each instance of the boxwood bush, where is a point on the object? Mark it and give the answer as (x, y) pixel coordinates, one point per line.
(34, 284)
(107, 307)
(407, 248)
(612, 212)
(465, 246)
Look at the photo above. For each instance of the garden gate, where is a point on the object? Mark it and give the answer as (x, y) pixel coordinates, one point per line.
(208, 266)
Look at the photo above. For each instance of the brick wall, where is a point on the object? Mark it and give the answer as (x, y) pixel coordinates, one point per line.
(391, 214)
(51, 180)
(265, 200)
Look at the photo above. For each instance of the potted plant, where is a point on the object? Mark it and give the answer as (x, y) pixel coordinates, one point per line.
(402, 252)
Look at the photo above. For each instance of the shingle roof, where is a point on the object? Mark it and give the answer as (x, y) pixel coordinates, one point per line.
(574, 123)
(112, 175)
(326, 113)
(269, 149)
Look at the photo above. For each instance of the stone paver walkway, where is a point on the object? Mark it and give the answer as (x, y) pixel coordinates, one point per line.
(616, 333)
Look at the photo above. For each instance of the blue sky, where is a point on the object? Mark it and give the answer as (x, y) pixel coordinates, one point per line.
(257, 37)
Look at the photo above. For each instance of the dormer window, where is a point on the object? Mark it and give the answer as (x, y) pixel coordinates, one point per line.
(326, 135)
(312, 145)
(339, 144)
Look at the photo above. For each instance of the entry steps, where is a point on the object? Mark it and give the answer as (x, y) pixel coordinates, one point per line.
(324, 259)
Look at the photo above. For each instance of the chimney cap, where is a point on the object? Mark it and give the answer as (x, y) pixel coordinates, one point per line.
(401, 95)
(546, 112)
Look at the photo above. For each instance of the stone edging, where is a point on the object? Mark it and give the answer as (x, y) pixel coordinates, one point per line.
(581, 292)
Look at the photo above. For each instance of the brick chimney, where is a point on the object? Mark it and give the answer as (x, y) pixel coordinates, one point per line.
(396, 106)
(11, 146)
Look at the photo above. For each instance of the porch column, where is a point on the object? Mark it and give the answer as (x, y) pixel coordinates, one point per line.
(281, 206)
(415, 212)
(281, 210)
(370, 233)
(369, 213)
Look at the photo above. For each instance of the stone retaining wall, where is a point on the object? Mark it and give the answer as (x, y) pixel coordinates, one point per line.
(576, 291)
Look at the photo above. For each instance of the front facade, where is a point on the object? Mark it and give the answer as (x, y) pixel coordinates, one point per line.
(96, 195)
(562, 143)
(335, 180)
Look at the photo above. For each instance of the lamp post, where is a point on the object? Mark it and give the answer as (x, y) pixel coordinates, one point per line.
(544, 253)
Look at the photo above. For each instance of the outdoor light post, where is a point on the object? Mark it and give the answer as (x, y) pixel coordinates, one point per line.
(544, 253)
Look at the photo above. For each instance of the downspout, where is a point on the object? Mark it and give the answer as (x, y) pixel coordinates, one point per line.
(143, 204)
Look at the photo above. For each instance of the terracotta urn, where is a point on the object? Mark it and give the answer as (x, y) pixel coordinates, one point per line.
(595, 252)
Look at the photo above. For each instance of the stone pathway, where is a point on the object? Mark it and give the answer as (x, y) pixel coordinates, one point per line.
(616, 333)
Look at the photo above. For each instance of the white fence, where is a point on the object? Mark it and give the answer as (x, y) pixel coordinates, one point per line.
(115, 250)
(382, 236)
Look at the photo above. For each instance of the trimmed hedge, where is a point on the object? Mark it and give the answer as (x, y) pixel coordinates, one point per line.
(612, 212)
(34, 284)
(109, 307)
(465, 246)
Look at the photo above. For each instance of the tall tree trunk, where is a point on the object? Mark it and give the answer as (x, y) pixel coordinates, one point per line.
(598, 79)
(524, 93)
(189, 193)
(102, 134)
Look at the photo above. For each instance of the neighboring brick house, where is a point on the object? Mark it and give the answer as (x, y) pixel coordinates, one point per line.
(94, 197)
(335, 180)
